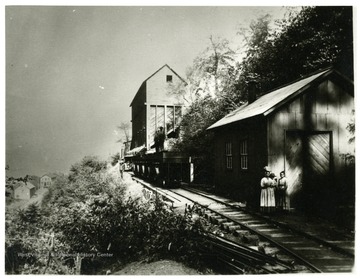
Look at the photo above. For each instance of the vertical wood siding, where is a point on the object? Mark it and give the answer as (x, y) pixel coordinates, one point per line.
(330, 110)
(158, 89)
(158, 94)
(319, 153)
(315, 121)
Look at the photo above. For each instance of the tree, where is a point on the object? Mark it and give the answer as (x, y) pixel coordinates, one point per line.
(351, 128)
(115, 158)
(212, 88)
(302, 43)
(315, 38)
(125, 129)
(213, 70)
(90, 165)
(90, 214)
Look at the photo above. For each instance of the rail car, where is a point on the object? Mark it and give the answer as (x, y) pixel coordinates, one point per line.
(165, 168)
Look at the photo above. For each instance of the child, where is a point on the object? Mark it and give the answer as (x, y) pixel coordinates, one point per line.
(281, 191)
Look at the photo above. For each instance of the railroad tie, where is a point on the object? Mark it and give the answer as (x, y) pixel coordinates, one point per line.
(226, 225)
(234, 228)
(250, 239)
(217, 220)
(241, 232)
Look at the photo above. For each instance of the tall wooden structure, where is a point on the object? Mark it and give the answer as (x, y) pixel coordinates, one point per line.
(300, 128)
(154, 106)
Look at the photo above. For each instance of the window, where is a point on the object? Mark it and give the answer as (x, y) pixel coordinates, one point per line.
(244, 155)
(169, 118)
(168, 78)
(228, 153)
(160, 116)
(152, 122)
(178, 115)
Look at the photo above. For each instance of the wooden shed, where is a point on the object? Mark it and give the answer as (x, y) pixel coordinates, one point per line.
(300, 128)
(154, 106)
(24, 191)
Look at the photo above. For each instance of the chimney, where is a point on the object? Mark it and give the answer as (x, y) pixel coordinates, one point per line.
(252, 90)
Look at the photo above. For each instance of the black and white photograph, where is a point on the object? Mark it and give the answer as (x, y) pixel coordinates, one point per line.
(188, 138)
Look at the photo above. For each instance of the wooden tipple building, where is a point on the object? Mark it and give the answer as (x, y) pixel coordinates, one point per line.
(301, 128)
(154, 106)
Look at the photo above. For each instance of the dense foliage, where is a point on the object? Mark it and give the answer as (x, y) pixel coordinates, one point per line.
(314, 38)
(87, 222)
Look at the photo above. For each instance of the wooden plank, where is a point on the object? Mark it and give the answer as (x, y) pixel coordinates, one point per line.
(294, 164)
(321, 121)
(295, 106)
(321, 99)
(299, 119)
(319, 153)
(320, 145)
(333, 97)
(346, 102)
(276, 134)
(291, 121)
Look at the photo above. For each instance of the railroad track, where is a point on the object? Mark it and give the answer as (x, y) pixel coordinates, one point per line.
(264, 245)
(274, 238)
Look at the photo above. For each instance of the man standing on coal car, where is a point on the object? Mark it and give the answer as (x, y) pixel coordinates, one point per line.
(159, 139)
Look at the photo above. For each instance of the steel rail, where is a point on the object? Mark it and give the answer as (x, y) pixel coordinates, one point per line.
(267, 238)
(250, 258)
(279, 224)
(235, 257)
(246, 253)
(156, 190)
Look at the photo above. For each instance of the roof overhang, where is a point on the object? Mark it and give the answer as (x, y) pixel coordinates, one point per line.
(275, 99)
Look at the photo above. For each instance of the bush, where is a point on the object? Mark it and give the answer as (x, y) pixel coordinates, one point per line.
(86, 223)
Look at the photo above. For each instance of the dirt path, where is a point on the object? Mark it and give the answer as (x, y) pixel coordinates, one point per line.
(164, 267)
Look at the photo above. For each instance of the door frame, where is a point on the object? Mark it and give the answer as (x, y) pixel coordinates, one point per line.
(303, 134)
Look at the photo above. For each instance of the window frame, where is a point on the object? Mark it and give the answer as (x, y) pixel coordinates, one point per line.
(228, 155)
(244, 154)
(169, 78)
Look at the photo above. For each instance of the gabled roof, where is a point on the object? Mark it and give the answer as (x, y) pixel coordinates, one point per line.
(166, 65)
(271, 101)
(28, 185)
(50, 175)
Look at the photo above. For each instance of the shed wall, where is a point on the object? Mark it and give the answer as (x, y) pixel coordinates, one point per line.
(323, 112)
(323, 108)
(332, 110)
(239, 183)
(138, 116)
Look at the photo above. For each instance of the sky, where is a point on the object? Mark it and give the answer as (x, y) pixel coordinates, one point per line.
(72, 72)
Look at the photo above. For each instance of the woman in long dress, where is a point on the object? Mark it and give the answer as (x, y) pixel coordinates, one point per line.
(265, 183)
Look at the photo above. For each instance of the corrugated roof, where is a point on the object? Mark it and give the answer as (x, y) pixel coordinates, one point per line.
(268, 102)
